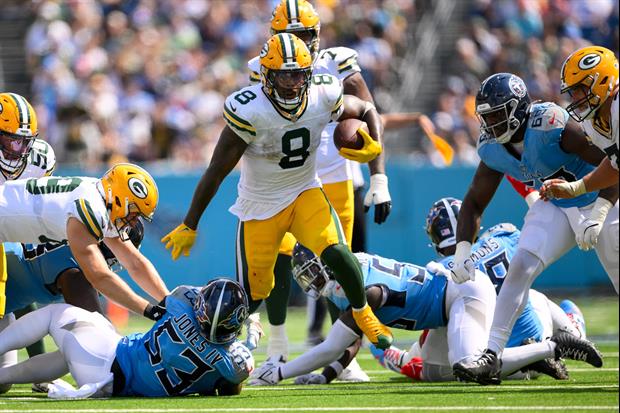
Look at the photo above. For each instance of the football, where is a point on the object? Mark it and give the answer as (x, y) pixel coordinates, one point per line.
(346, 136)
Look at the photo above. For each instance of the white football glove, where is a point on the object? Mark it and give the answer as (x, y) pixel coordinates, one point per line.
(464, 268)
(589, 229)
(379, 195)
(268, 374)
(437, 268)
(254, 331)
(311, 378)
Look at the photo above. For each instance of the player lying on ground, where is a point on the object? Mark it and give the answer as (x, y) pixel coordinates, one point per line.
(410, 297)
(491, 254)
(191, 349)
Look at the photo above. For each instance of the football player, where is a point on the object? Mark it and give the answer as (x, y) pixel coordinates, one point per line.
(276, 127)
(299, 18)
(530, 142)
(191, 349)
(83, 211)
(48, 273)
(410, 297)
(491, 254)
(590, 78)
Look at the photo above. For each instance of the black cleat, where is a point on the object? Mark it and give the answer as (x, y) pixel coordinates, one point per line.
(485, 370)
(551, 367)
(571, 347)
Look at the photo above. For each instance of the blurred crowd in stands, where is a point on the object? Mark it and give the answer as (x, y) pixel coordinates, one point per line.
(145, 80)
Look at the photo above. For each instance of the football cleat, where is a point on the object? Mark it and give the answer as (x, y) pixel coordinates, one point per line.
(551, 367)
(394, 359)
(413, 369)
(575, 316)
(485, 370)
(571, 347)
(353, 373)
(377, 333)
(44, 387)
(268, 374)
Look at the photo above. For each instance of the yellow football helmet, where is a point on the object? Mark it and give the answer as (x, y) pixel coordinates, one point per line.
(18, 130)
(299, 18)
(130, 192)
(286, 69)
(589, 75)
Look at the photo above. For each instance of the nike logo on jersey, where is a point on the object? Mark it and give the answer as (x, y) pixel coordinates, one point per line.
(552, 120)
(234, 109)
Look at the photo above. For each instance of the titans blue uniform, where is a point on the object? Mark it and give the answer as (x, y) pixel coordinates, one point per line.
(414, 298)
(173, 358)
(542, 156)
(492, 254)
(32, 273)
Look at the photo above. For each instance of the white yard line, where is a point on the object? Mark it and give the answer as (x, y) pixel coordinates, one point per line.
(327, 409)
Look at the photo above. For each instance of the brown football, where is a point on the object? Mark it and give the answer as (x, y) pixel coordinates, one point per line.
(346, 136)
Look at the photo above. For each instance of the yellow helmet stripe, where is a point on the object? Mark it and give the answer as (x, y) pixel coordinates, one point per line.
(88, 218)
(292, 9)
(22, 108)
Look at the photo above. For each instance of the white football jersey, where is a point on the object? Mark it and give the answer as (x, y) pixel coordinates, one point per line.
(36, 210)
(605, 137)
(340, 62)
(279, 162)
(41, 162)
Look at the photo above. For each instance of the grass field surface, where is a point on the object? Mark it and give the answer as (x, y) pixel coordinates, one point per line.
(587, 390)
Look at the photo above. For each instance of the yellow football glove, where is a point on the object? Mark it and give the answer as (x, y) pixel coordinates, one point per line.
(181, 240)
(369, 151)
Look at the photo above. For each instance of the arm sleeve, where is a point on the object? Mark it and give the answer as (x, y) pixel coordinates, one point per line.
(339, 338)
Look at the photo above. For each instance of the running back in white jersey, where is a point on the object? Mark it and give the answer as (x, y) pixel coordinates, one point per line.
(279, 162)
(34, 211)
(605, 137)
(340, 62)
(41, 162)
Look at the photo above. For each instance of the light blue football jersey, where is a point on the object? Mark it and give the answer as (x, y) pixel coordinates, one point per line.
(173, 358)
(415, 298)
(542, 156)
(492, 254)
(32, 273)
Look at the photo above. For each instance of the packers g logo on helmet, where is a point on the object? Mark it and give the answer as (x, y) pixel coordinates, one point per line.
(589, 75)
(299, 18)
(130, 192)
(18, 130)
(286, 68)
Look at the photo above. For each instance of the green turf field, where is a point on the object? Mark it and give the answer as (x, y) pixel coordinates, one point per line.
(588, 389)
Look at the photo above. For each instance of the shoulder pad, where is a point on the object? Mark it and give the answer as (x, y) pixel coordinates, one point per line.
(330, 91)
(547, 116)
(341, 60)
(242, 360)
(43, 156)
(239, 112)
(185, 293)
(254, 68)
(504, 228)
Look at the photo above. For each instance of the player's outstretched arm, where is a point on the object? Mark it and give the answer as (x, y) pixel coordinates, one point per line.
(602, 177)
(139, 267)
(480, 192)
(86, 251)
(226, 155)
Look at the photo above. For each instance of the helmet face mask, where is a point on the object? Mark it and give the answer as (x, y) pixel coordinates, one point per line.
(18, 130)
(310, 273)
(221, 308)
(502, 106)
(588, 75)
(289, 86)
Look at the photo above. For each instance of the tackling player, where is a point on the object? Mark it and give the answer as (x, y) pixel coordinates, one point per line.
(590, 77)
(276, 127)
(191, 349)
(83, 211)
(529, 142)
